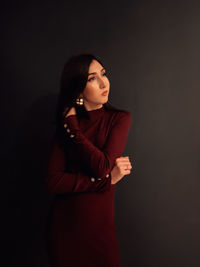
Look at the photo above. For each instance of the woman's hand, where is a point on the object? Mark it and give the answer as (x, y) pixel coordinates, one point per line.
(122, 167)
(72, 111)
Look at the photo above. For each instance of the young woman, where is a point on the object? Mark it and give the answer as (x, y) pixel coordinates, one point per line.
(84, 166)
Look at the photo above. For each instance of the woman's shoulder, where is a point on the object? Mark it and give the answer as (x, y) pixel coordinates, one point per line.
(118, 115)
(117, 112)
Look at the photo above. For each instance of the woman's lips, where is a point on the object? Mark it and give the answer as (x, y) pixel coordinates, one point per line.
(104, 93)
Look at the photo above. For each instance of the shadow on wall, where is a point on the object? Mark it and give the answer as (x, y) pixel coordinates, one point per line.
(27, 201)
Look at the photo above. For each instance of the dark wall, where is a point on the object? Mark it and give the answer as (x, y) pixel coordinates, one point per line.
(151, 52)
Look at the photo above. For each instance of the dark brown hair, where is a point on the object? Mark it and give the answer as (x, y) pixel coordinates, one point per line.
(73, 81)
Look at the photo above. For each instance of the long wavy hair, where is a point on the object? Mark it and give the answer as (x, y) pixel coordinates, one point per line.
(73, 81)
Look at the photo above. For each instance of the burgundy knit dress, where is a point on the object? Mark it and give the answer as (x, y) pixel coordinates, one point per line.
(81, 231)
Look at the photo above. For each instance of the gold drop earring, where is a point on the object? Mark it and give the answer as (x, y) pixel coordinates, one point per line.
(79, 101)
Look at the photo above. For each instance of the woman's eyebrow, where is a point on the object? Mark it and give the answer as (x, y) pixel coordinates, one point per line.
(94, 72)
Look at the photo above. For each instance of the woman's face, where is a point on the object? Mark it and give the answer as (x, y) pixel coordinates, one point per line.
(97, 84)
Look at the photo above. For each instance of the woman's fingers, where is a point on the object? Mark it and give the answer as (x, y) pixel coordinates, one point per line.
(124, 164)
(122, 158)
(123, 161)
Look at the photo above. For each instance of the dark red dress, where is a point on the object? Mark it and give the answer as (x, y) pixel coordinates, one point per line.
(81, 229)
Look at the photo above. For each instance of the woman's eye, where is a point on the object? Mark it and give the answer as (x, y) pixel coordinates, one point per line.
(92, 78)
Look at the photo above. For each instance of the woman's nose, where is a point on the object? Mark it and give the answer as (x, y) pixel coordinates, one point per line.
(102, 83)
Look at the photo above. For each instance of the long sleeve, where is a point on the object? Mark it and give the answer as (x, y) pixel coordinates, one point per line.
(58, 181)
(99, 161)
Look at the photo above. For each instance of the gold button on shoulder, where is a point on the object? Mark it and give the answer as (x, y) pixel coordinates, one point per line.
(68, 130)
(65, 125)
(99, 179)
(92, 179)
(72, 135)
(107, 175)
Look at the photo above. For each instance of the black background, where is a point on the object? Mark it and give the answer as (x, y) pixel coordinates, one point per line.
(151, 50)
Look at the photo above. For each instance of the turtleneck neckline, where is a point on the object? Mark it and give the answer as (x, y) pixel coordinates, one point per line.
(94, 113)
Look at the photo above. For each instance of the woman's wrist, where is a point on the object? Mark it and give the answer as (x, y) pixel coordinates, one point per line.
(112, 177)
